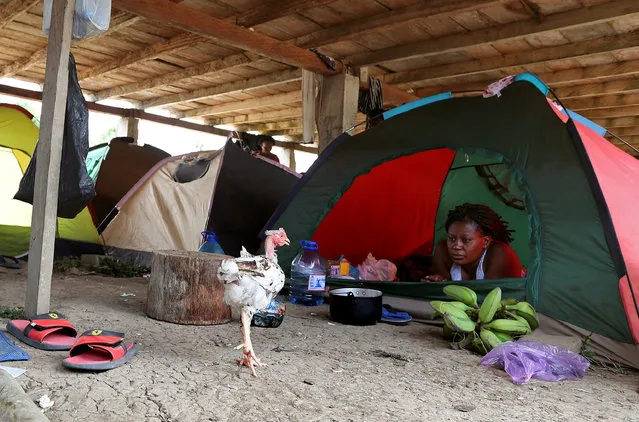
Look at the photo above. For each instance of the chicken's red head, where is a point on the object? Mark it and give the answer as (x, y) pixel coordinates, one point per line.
(279, 237)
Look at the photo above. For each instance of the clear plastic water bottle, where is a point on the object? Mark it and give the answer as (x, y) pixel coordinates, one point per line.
(209, 243)
(308, 276)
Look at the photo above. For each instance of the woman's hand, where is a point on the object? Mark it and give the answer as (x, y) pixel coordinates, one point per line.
(434, 277)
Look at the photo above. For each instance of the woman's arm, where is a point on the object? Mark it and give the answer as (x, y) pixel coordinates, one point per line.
(502, 262)
(441, 263)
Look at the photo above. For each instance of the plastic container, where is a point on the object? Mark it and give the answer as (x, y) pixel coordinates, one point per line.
(272, 316)
(90, 17)
(209, 243)
(308, 276)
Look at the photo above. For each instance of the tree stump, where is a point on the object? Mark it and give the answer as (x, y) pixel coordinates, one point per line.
(184, 288)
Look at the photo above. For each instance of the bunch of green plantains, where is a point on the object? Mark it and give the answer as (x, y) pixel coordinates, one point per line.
(481, 328)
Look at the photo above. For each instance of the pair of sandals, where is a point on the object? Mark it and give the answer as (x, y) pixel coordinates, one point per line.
(93, 350)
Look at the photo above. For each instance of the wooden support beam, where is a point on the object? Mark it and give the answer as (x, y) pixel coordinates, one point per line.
(132, 128)
(274, 9)
(13, 9)
(122, 112)
(45, 196)
(292, 113)
(337, 109)
(191, 20)
(204, 69)
(222, 89)
(291, 159)
(603, 102)
(402, 16)
(269, 101)
(309, 104)
(451, 71)
(153, 51)
(512, 31)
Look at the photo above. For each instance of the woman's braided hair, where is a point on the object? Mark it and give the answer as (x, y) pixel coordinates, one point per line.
(490, 223)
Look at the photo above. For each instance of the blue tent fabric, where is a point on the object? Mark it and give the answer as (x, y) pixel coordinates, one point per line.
(417, 103)
(9, 351)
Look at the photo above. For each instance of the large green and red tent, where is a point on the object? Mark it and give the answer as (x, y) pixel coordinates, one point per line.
(569, 194)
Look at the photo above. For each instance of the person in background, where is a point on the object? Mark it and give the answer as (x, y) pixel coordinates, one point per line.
(475, 248)
(266, 145)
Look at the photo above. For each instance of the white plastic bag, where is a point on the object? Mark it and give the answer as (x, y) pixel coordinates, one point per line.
(91, 17)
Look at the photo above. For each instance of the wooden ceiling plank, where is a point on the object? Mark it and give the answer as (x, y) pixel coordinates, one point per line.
(268, 101)
(596, 74)
(541, 55)
(291, 113)
(152, 51)
(260, 81)
(120, 21)
(285, 124)
(624, 111)
(208, 68)
(13, 9)
(597, 89)
(356, 28)
(275, 9)
(227, 33)
(515, 30)
(609, 101)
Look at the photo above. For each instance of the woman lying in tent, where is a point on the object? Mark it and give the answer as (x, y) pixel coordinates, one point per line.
(476, 248)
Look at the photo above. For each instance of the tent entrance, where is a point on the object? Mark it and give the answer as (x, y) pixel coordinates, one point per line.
(398, 208)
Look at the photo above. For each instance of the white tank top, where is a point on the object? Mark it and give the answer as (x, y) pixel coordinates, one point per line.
(456, 271)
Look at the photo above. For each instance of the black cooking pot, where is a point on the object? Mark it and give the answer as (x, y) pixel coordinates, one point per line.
(355, 306)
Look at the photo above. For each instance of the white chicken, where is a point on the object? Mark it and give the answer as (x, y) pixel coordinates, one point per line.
(251, 282)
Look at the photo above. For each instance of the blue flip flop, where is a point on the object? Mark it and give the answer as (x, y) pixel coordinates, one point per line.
(390, 316)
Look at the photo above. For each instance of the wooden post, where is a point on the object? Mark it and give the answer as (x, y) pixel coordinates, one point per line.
(338, 107)
(45, 197)
(291, 161)
(128, 126)
(309, 100)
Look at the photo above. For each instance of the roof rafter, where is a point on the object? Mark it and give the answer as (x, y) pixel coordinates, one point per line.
(13, 9)
(227, 88)
(292, 113)
(208, 69)
(403, 16)
(596, 74)
(275, 9)
(587, 48)
(118, 22)
(318, 38)
(569, 19)
(603, 102)
(269, 101)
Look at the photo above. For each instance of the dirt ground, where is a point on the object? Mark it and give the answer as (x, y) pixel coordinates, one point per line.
(318, 371)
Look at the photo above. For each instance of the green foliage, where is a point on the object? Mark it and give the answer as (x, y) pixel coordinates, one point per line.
(114, 268)
(10, 312)
(108, 134)
(65, 264)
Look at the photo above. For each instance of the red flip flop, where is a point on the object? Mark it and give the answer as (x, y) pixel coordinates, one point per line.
(99, 350)
(47, 331)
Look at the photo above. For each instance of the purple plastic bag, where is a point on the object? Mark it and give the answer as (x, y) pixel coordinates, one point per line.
(526, 359)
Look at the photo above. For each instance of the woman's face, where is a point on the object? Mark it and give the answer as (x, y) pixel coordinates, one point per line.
(466, 242)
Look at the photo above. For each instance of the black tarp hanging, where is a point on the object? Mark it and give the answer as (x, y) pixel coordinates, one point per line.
(76, 188)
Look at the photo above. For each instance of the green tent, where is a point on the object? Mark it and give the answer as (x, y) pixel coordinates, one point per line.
(559, 183)
(18, 137)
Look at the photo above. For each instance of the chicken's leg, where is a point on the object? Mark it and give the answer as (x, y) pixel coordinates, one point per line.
(248, 355)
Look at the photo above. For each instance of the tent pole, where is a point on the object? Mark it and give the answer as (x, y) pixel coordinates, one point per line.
(49, 155)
